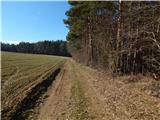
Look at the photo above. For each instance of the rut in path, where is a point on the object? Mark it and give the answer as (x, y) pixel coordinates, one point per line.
(79, 93)
(71, 98)
(31, 99)
(82, 93)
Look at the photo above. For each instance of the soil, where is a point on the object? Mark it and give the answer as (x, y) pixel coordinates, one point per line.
(82, 93)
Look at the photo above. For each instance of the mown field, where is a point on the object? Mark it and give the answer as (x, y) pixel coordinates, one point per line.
(20, 73)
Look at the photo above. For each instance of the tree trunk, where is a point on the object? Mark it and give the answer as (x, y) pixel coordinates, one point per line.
(119, 35)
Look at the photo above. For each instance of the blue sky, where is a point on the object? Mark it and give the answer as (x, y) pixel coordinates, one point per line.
(33, 21)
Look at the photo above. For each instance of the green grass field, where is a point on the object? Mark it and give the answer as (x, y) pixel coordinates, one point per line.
(20, 72)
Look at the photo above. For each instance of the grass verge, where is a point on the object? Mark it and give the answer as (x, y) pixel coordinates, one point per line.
(80, 102)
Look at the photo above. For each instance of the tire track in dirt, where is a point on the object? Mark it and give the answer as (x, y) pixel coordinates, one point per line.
(72, 98)
(57, 105)
(79, 94)
(61, 83)
(25, 93)
(95, 103)
(36, 80)
(30, 100)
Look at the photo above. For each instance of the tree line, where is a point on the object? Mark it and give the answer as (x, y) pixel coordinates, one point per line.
(122, 37)
(58, 47)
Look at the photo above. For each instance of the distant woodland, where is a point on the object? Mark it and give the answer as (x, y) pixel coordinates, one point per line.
(43, 47)
(122, 37)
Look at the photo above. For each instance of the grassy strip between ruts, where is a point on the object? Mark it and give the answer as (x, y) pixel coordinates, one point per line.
(80, 107)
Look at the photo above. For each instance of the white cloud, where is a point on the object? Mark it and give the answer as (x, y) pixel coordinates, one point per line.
(10, 41)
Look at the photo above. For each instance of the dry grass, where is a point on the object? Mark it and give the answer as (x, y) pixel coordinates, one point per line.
(80, 92)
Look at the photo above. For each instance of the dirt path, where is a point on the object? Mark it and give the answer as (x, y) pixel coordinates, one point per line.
(56, 104)
(81, 93)
(71, 97)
